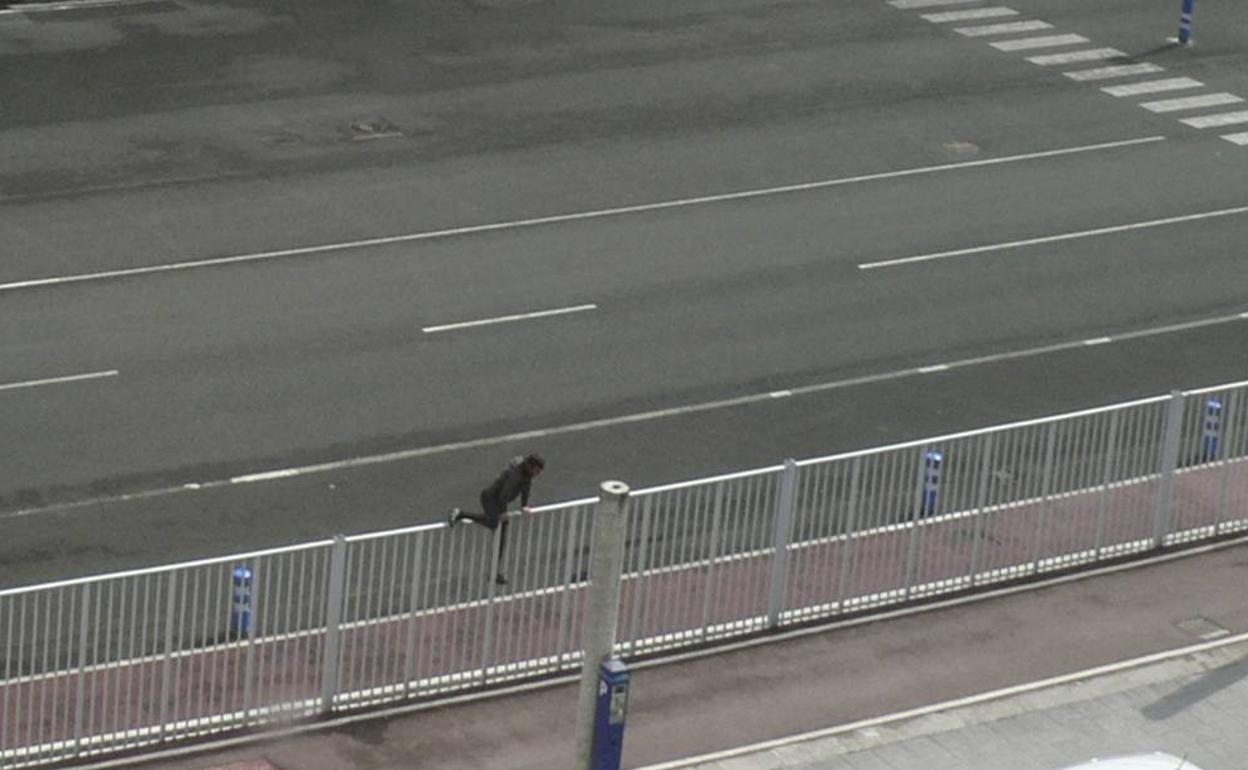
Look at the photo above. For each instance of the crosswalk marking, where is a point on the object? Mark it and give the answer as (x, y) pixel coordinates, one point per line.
(1003, 29)
(1108, 71)
(1214, 121)
(968, 15)
(1050, 41)
(1191, 102)
(908, 4)
(1071, 57)
(1122, 70)
(1153, 86)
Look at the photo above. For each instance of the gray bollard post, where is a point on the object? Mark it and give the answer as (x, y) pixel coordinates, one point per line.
(602, 611)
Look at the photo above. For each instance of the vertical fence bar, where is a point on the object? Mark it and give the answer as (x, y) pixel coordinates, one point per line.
(84, 627)
(850, 531)
(712, 552)
(916, 518)
(1107, 479)
(1169, 464)
(981, 502)
(780, 543)
(333, 623)
(1228, 457)
(166, 665)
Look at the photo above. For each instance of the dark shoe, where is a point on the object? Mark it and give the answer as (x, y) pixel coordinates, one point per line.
(500, 580)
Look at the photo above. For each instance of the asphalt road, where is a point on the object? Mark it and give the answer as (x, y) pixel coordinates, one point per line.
(191, 197)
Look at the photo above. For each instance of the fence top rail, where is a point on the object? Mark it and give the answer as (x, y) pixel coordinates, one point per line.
(930, 440)
(588, 501)
(183, 565)
(1214, 388)
(1020, 424)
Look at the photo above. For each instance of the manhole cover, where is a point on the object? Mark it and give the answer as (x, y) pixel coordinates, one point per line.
(374, 128)
(1201, 628)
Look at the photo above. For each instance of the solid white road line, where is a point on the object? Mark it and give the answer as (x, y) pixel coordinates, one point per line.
(1123, 70)
(1214, 121)
(1240, 139)
(1153, 86)
(1072, 57)
(969, 15)
(676, 411)
(58, 380)
(1008, 28)
(1005, 245)
(560, 218)
(1050, 41)
(509, 318)
(1191, 102)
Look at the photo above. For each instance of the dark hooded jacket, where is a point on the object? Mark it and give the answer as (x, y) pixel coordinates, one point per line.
(511, 482)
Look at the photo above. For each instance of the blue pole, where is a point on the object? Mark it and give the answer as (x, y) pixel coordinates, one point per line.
(931, 482)
(1185, 22)
(1213, 430)
(240, 611)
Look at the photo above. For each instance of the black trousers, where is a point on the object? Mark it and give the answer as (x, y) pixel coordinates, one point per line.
(491, 518)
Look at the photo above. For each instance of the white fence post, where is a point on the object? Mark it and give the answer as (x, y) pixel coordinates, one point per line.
(333, 622)
(165, 673)
(602, 612)
(1169, 464)
(779, 579)
(84, 629)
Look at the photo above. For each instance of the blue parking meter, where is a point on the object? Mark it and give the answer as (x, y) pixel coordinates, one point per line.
(609, 715)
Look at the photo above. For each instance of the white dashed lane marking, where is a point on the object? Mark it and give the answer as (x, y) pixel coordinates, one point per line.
(1240, 139)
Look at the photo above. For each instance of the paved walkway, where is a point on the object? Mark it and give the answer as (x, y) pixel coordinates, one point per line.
(1192, 705)
(698, 712)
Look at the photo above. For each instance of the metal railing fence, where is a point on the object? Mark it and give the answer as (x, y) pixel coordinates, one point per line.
(149, 656)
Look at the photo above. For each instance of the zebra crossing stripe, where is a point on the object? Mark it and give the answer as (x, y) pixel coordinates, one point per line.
(1050, 41)
(1240, 139)
(1122, 70)
(1153, 86)
(969, 15)
(908, 4)
(1213, 121)
(1071, 57)
(1003, 29)
(1191, 102)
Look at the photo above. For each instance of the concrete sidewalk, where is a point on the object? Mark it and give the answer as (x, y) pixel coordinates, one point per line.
(698, 712)
(1190, 703)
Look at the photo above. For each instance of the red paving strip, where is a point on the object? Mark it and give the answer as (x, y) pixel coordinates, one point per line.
(538, 632)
